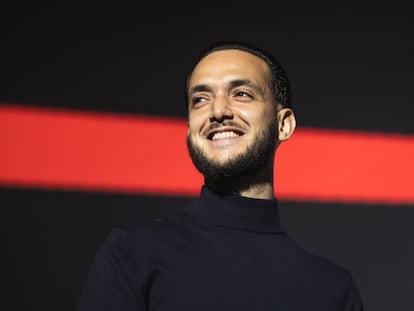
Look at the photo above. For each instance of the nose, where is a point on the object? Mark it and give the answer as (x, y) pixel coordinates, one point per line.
(221, 109)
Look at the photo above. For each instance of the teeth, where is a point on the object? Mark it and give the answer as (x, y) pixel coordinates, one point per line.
(222, 135)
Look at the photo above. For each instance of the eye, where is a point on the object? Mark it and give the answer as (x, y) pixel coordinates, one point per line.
(243, 94)
(197, 100)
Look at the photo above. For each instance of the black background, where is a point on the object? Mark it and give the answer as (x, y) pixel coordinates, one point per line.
(350, 68)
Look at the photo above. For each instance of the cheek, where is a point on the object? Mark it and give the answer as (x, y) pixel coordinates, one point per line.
(255, 117)
(195, 123)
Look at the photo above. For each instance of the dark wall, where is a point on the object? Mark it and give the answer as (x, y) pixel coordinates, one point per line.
(350, 69)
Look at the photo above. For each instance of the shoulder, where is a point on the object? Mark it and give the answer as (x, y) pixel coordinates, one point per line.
(166, 224)
(151, 233)
(323, 274)
(317, 265)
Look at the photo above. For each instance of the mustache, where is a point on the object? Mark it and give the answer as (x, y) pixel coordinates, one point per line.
(215, 125)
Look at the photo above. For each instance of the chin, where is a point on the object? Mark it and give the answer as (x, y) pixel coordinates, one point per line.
(223, 157)
(222, 161)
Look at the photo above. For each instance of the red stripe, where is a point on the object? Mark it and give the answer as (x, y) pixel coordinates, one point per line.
(64, 149)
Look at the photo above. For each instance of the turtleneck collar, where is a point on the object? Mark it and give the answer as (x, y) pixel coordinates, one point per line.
(237, 212)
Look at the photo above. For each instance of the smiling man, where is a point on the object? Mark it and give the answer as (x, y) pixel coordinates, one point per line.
(227, 250)
(236, 122)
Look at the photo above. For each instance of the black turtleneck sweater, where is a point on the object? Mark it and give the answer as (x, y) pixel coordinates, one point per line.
(220, 253)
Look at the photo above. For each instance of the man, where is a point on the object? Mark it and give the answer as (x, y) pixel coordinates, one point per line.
(228, 249)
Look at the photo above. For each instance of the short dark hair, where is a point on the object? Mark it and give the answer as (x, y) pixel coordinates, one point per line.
(278, 80)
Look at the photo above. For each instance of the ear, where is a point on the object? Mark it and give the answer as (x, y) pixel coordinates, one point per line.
(286, 123)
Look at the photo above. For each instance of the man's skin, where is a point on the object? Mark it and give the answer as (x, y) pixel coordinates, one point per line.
(230, 105)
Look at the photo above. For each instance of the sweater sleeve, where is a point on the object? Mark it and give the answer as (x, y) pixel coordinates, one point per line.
(353, 300)
(112, 282)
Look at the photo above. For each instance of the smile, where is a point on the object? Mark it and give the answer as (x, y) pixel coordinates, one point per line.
(223, 135)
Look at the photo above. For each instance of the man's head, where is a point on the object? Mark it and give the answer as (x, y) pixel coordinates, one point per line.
(277, 77)
(239, 110)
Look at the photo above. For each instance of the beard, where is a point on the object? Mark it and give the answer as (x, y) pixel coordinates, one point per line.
(246, 164)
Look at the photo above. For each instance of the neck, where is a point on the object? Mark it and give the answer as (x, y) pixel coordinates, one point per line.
(257, 186)
(264, 191)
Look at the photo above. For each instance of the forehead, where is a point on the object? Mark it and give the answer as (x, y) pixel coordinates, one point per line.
(229, 63)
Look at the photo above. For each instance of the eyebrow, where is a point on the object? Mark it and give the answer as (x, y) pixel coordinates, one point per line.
(246, 82)
(200, 88)
(232, 84)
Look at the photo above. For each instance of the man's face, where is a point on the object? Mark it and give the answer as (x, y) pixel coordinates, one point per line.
(232, 129)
